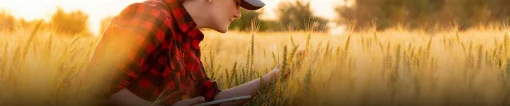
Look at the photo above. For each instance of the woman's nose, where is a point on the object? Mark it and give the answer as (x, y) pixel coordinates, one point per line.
(238, 14)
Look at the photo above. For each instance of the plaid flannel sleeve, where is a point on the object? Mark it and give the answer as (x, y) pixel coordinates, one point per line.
(208, 87)
(136, 31)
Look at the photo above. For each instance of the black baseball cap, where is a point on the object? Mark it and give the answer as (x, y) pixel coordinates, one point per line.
(251, 4)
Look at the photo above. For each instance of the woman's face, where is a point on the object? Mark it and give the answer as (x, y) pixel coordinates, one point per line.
(223, 13)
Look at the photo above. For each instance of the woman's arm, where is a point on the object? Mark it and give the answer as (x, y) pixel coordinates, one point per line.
(249, 88)
(252, 87)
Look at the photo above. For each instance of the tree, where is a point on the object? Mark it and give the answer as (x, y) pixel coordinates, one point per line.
(500, 9)
(382, 14)
(299, 16)
(70, 23)
(247, 17)
(244, 23)
(424, 14)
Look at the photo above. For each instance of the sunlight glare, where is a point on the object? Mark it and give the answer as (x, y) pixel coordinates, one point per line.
(99, 9)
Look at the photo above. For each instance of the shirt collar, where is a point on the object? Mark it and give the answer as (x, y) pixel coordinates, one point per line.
(181, 15)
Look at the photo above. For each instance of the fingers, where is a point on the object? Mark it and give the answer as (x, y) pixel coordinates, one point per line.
(300, 54)
(277, 67)
(299, 57)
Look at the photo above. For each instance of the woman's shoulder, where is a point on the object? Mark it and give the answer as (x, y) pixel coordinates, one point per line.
(147, 9)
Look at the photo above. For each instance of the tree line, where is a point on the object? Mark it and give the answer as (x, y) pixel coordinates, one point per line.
(67, 23)
(298, 16)
(424, 14)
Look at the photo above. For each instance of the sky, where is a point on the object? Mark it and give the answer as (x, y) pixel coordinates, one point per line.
(99, 9)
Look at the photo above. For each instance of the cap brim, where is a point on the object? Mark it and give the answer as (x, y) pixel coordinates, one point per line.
(252, 4)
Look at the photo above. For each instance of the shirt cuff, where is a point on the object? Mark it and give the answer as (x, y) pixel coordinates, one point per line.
(209, 90)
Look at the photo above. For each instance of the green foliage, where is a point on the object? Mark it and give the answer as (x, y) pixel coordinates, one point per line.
(244, 23)
(299, 16)
(73, 23)
(295, 16)
(428, 14)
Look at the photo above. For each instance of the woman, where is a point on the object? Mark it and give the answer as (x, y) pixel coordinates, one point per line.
(153, 50)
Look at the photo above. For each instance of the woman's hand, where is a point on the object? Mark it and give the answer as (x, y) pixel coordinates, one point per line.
(252, 87)
(300, 55)
(297, 63)
(190, 102)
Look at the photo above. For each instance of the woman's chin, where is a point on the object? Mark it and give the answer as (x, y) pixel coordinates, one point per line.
(221, 30)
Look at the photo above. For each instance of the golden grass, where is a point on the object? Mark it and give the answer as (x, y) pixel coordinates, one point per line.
(393, 67)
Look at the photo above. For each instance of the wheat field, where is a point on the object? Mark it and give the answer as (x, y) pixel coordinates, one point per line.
(393, 67)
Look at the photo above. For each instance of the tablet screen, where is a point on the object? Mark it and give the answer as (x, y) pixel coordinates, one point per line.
(224, 100)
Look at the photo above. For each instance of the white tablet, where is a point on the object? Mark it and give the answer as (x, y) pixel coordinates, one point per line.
(224, 100)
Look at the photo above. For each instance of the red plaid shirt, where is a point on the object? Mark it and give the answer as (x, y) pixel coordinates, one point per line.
(161, 43)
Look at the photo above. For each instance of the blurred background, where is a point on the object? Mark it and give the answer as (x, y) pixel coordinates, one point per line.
(333, 16)
(439, 54)
(93, 15)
